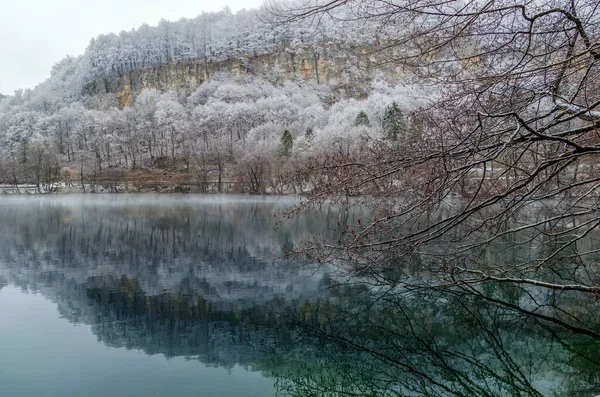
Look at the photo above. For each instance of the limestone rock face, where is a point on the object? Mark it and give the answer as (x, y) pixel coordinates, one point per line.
(347, 69)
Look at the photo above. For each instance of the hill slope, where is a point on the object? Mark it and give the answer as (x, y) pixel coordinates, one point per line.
(207, 99)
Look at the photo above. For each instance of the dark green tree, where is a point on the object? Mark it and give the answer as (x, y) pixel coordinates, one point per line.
(24, 151)
(309, 133)
(394, 124)
(362, 119)
(287, 143)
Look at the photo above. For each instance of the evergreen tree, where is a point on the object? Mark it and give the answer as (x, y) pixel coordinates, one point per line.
(24, 151)
(287, 142)
(394, 125)
(362, 119)
(309, 133)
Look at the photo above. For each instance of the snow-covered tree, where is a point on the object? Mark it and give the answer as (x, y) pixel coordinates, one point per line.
(172, 121)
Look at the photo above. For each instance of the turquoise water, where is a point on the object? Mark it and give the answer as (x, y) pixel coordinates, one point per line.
(79, 274)
(131, 295)
(43, 354)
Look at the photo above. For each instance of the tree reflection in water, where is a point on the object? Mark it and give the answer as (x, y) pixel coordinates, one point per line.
(198, 280)
(452, 342)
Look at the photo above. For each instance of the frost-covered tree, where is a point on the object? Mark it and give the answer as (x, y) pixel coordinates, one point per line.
(172, 121)
(145, 106)
(518, 89)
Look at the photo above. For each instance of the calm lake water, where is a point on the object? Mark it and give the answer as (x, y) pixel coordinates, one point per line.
(131, 295)
(147, 295)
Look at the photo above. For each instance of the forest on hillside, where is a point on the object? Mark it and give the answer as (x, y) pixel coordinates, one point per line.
(246, 129)
(230, 127)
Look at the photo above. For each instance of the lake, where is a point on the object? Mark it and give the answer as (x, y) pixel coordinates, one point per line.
(177, 295)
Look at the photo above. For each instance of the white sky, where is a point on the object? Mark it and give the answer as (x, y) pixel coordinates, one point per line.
(36, 34)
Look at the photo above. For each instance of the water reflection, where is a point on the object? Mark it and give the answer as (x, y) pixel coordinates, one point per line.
(449, 343)
(180, 276)
(199, 278)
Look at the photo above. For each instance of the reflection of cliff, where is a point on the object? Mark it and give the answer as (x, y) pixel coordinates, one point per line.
(225, 250)
(260, 337)
(180, 276)
(190, 326)
(199, 278)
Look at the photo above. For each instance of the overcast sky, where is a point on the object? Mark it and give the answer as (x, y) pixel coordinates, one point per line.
(36, 34)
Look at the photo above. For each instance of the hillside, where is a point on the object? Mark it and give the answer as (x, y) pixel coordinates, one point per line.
(220, 102)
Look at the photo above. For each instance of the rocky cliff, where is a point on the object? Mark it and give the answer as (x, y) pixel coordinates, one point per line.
(347, 70)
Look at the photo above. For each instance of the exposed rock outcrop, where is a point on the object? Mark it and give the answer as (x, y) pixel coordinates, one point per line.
(348, 70)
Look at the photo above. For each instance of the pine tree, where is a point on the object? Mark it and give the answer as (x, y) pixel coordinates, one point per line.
(309, 133)
(394, 125)
(287, 142)
(362, 119)
(24, 151)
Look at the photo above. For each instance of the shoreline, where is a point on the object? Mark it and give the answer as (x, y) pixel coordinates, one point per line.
(152, 188)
